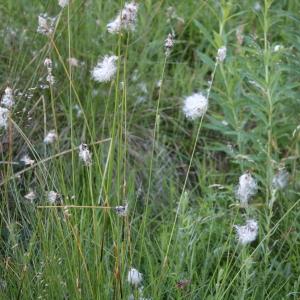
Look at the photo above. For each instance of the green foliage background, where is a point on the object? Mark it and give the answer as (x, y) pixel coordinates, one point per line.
(179, 182)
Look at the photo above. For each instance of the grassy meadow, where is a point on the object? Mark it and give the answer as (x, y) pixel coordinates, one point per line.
(62, 236)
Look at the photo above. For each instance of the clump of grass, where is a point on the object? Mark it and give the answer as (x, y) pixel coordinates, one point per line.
(173, 174)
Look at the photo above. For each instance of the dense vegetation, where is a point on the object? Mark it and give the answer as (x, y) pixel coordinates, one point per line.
(179, 176)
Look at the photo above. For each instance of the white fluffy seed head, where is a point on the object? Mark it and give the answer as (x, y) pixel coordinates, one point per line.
(26, 160)
(73, 62)
(48, 63)
(30, 196)
(122, 211)
(114, 26)
(63, 3)
(278, 48)
(46, 24)
(4, 112)
(246, 189)
(106, 69)
(85, 155)
(169, 43)
(280, 179)
(195, 106)
(221, 54)
(125, 20)
(134, 277)
(50, 79)
(52, 197)
(247, 233)
(8, 99)
(51, 137)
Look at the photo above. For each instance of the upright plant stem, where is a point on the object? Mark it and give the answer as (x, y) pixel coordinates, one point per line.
(188, 171)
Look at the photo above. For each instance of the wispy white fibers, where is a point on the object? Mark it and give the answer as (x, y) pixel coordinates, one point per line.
(30, 196)
(125, 20)
(105, 69)
(169, 43)
(122, 211)
(85, 155)
(221, 54)
(134, 277)
(246, 189)
(51, 137)
(48, 64)
(63, 3)
(195, 106)
(280, 179)
(247, 233)
(52, 197)
(7, 103)
(46, 24)
(4, 112)
(8, 98)
(26, 160)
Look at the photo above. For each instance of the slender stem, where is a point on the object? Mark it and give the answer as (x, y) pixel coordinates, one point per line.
(41, 162)
(269, 173)
(189, 168)
(155, 133)
(76, 206)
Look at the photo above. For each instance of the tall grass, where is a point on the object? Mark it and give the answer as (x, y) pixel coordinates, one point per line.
(178, 176)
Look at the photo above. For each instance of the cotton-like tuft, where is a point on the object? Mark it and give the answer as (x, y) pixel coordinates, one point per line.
(247, 233)
(52, 197)
(106, 69)
(278, 48)
(4, 112)
(122, 211)
(48, 64)
(63, 3)
(51, 137)
(281, 179)
(134, 277)
(46, 24)
(26, 160)
(85, 155)
(50, 79)
(30, 196)
(8, 99)
(221, 54)
(169, 43)
(246, 189)
(73, 62)
(195, 106)
(125, 20)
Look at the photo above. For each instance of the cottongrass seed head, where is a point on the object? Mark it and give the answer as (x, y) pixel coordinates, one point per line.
(247, 233)
(195, 106)
(122, 211)
(106, 69)
(31, 196)
(125, 20)
(246, 188)
(169, 43)
(26, 160)
(280, 179)
(46, 24)
(85, 155)
(8, 98)
(63, 3)
(52, 197)
(48, 64)
(134, 277)
(221, 54)
(51, 137)
(4, 112)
